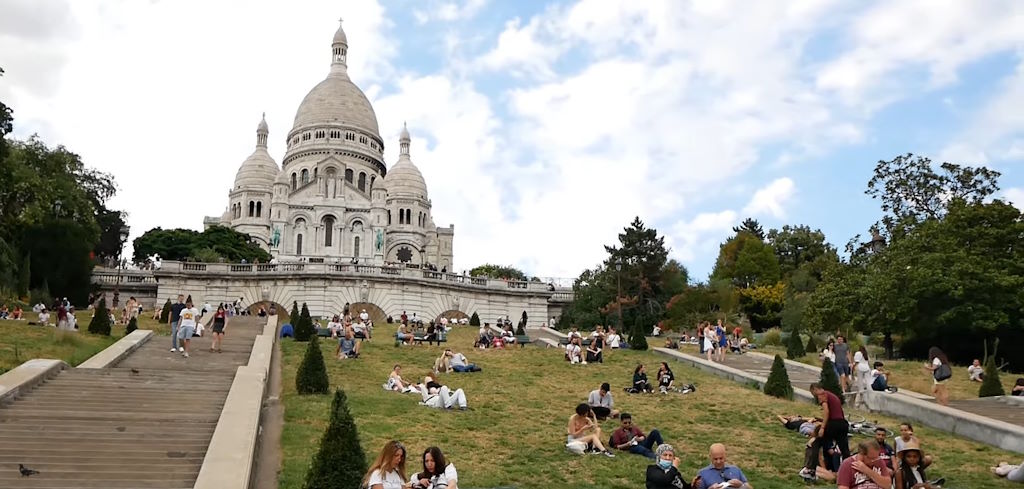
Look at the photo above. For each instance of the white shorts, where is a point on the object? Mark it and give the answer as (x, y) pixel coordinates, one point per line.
(186, 332)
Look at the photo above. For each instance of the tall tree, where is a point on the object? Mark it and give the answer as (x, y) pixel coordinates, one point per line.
(800, 247)
(183, 244)
(750, 225)
(746, 261)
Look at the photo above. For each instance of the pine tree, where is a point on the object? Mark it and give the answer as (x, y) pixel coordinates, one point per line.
(165, 313)
(312, 375)
(100, 323)
(340, 462)
(474, 320)
(794, 347)
(133, 324)
(991, 385)
(829, 380)
(305, 329)
(638, 337)
(294, 317)
(812, 346)
(778, 384)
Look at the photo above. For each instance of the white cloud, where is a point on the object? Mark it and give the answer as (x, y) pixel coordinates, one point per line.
(1015, 196)
(447, 11)
(771, 200)
(519, 51)
(996, 131)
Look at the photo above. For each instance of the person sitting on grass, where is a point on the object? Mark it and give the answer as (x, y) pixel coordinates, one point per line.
(508, 335)
(671, 343)
(595, 350)
(1018, 388)
(4, 312)
(664, 473)
(631, 438)
(443, 363)
(388, 470)
(907, 436)
(885, 452)
(437, 473)
(573, 351)
(484, 338)
(613, 340)
(44, 317)
(440, 396)
(640, 383)
(601, 403)
(910, 474)
(335, 326)
(575, 331)
(976, 372)
(17, 315)
(864, 470)
(719, 475)
(397, 383)
(805, 426)
(584, 430)
(879, 379)
(460, 363)
(348, 347)
(819, 462)
(665, 378)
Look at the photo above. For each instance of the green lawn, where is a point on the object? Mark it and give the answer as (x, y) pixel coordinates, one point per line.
(514, 434)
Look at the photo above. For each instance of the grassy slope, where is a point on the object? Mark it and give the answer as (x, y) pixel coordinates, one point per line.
(514, 434)
(20, 342)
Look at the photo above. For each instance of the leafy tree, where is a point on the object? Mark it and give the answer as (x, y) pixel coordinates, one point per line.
(294, 316)
(991, 386)
(212, 244)
(801, 248)
(165, 312)
(829, 380)
(750, 226)
(794, 347)
(778, 384)
(497, 272)
(110, 223)
(340, 462)
(24, 275)
(746, 261)
(133, 324)
(312, 375)
(100, 323)
(305, 329)
(474, 320)
(763, 305)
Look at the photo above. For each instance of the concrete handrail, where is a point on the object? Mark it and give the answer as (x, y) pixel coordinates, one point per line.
(113, 354)
(231, 455)
(26, 376)
(727, 371)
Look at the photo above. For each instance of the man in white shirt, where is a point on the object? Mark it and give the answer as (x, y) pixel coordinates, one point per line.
(613, 339)
(601, 403)
(364, 317)
(187, 325)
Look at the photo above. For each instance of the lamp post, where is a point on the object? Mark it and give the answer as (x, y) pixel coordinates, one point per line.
(123, 235)
(618, 289)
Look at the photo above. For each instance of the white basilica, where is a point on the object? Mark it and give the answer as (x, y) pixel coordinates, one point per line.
(334, 199)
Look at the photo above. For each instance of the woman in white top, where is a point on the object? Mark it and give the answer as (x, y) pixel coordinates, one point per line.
(573, 351)
(388, 471)
(710, 341)
(613, 339)
(937, 359)
(436, 474)
(335, 326)
(862, 369)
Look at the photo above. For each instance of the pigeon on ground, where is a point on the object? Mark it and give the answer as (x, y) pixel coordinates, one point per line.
(25, 471)
(135, 371)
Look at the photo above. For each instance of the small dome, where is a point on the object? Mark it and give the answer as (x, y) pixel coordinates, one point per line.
(339, 36)
(263, 125)
(258, 171)
(337, 100)
(405, 180)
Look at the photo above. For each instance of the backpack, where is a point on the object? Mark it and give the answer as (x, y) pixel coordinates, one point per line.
(942, 372)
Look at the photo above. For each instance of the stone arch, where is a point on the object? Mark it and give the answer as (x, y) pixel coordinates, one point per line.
(377, 315)
(283, 312)
(453, 314)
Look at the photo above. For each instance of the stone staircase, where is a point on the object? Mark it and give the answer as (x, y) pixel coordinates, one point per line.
(145, 423)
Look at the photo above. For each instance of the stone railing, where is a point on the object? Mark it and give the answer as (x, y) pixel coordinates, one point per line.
(109, 276)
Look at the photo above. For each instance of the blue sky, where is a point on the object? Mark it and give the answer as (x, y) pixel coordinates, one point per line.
(542, 128)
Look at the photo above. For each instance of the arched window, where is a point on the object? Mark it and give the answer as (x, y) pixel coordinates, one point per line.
(305, 176)
(362, 181)
(298, 244)
(348, 175)
(252, 208)
(373, 178)
(401, 216)
(389, 217)
(316, 171)
(293, 181)
(259, 209)
(357, 226)
(328, 231)
(355, 247)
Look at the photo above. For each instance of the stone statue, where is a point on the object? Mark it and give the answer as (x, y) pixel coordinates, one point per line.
(275, 240)
(380, 240)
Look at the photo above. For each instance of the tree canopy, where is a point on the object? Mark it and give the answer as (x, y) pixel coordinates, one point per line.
(497, 272)
(213, 244)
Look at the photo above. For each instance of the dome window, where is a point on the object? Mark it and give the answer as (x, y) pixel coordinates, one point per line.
(362, 139)
(348, 175)
(328, 231)
(305, 176)
(259, 209)
(362, 181)
(350, 137)
(355, 247)
(252, 208)
(294, 186)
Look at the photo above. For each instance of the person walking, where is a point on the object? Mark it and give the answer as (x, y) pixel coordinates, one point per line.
(220, 324)
(187, 326)
(174, 318)
(938, 364)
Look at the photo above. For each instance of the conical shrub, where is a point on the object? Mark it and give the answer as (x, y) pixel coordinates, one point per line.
(778, 384)
(294, 317)
(165, 313)
(312, 375)
(133, 324)
(812, 345)
(638, 337)
(474, 320)
(991, 386)
(340, 462)
(829, 380)
(794, 347)
(100, 323)
(304, 330)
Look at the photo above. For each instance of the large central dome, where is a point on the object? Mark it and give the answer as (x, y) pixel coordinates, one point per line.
(337, 100)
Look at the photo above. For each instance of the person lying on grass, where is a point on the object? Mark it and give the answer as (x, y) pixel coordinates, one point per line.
(439, 396)
(631, 438)
(805, 426)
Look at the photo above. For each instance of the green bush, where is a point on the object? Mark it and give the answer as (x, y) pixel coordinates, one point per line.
(100, 323)
(165, 313)
(638, 337)
(794, 347)
(312, 375)
(778, 384)
(829, 380)
(133, 324)
(294, 316)
(812, 344)
(304, 330)
(991, 385)
(474, 320)
(340, 462)
(772, 337)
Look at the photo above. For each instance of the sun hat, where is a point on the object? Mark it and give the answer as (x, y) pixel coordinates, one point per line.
(910, 445)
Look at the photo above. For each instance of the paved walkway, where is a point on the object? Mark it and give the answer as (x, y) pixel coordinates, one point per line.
(145, 423)
(992, 407)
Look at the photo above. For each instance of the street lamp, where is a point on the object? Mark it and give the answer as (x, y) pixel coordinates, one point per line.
(618, 288)
(123, 235)
(56, 207)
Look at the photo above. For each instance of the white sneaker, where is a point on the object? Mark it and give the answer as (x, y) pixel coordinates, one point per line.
(174, 350)
(181, 349)
(185, 354)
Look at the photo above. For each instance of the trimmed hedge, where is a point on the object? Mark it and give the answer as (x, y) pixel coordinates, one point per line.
(340, 462)
(312, 375)
(100, 323)
(778, 384)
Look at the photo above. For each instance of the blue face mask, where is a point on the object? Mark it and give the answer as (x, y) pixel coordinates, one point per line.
(665, 464)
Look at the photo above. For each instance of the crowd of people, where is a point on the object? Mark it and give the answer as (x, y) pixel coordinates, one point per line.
(433, 393)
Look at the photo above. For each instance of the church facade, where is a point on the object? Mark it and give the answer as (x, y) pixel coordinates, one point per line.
(333, 199)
